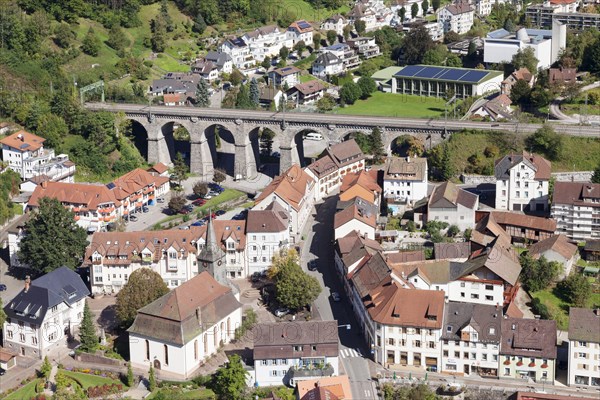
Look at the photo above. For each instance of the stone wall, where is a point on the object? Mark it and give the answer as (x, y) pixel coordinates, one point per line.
(99, 359)
(576, 176)
(472, 179)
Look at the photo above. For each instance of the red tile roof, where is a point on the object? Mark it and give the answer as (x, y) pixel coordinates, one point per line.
(23, 141)
(291, 186)
(84, 194)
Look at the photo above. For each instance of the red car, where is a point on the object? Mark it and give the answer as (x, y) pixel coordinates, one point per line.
(184, 211)
(199, 202)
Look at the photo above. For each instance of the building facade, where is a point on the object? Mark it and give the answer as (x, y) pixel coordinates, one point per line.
(457, 17)
(453, 205)
(584, 347)
(405, 179)
(576, 209)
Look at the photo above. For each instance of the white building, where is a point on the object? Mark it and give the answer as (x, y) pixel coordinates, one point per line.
(45, 314)
(556, 248)
(239, 52)
(359, 215)
(337, 161)
(457, 17)
(294, 191)
(451, 204)
(300, 31)
(327, 64)
(289, 76)
(500, 45)
(471, 339)
(576, 209)
(179, 331)
(335, 23)
(584, 347)
(25, 154)
(266, 41)
(267, 232)
(405, 179)
(289, 352)
(345, 53)
(522, 182)
(212, 65)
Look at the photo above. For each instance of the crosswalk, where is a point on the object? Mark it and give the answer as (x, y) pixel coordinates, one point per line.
(348, 353)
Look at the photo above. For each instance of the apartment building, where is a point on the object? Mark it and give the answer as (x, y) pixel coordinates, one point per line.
(576, 209)
(541, 15)
(365, 47)
(266, 41)
(291, 352)
(528, 350)
(335, 23)
(329, 170)
(522, 182)
(471, 339)
(239, 52)
(267, 232)
(294, 191)
(45, 314)
(457, 17)
(345, 53)
(405, 179)
(326, 65)
(25, 154)
(300, 31)
(286, 76)
(584, 347)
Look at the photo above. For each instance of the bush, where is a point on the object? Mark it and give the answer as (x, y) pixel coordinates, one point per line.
(453, 230)
(540, 309)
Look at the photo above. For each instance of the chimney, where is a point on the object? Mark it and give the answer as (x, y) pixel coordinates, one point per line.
(20, 137)
(597, 312)
(44, 184)
(27, 283)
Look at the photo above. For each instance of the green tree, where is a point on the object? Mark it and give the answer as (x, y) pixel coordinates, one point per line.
(435, 4)
(2, 314)
(151, 379)
(331, 37)
(347, 31)
(300, 47)
(326, 103)
(525, 58)
(453, 61)
(200, 189)
(130, 378)
(91, 44)
(402, 13)
(545, 140)
(520, 91)
(52, 128)
(446, 171)
(266, 141)
(538, 274)
(266, 62)
(377, 149)
(45, 368)
(360, 26)
(117, 38)
(414, 10)
(52, 239)
(180, 169)
(509, 25)
(229, 382)
(316, 41)
(596, 174)
(199, 24)
(164, 14)
(576, 289)
(87, 331)
(142, 288)
(367, 86)
(591, 58)
(64, 36)
(284, 53)
(254, 93)
(176, 203)
(158, 38)
(453, 230)
(295, 288)
(242, 100)
(202, 95)
(425, 7)
(416, 43)
(236, 77)
(350, 92)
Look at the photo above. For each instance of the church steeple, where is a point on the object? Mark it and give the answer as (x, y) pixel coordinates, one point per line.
(212, 257)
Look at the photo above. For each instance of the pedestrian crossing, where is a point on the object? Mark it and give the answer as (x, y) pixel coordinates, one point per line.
(348, 353)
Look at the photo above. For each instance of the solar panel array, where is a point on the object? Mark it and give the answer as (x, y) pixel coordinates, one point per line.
(303, 25)
(441, 73)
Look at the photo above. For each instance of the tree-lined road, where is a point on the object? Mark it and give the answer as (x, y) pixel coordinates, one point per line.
(341, 120)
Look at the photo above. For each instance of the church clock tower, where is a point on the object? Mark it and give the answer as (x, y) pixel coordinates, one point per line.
(212, 257)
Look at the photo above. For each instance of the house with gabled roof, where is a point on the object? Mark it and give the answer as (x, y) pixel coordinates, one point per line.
(300, 31)
(294, 191)
(337, 161)
(522, 182)
(335, 23)
(326, 388)
(471, 339)
(362, 184)
(46, 313)
(584, 347)
(448, 203)
(179, 331)
(350, 250)
(357, 215)
(457, 17)
(556, 248)
(405, 178)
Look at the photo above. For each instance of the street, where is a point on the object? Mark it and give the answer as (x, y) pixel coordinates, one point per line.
(318, 246)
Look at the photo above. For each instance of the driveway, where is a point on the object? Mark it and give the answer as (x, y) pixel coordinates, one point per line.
(14, 281)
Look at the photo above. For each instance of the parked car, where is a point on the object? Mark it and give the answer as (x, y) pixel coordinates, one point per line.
(207, 196)
(219, 213)
(198, 223)
(335, 296)
(276, 154)
(312, 265)
(160, 200)
(184, 211)
(184, 228)
(2, 371)
(199, 202)
(215, 186)
(145, 209)
(133, 218)
(2, 287)
(280, 312)
(189, 207)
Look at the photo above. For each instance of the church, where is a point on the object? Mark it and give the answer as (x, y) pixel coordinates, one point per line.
(177, 332)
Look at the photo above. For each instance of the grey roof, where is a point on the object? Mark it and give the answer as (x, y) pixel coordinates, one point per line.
(448, 195)
(326, 59)
(584, 325)
(528, 338)
(498, 34)
(452, 250)
(211, 252)
(498, 259)
(405, 168)
(62, 285)
(485, 319)
(370, 274)
(592, 245)
(218, 58)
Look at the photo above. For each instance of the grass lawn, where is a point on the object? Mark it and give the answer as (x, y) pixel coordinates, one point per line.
(169, 64)
(301, 9)
(88, 380)
(25, 393)
(558, 308)
(396, 105)
(306, 62)
(307, 78)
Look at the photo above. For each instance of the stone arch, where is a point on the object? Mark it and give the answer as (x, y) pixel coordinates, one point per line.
(176, 143)
(403, 145)
(139, 137)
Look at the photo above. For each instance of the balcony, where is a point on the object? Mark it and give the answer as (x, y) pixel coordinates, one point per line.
(299, 373)
(146, 260)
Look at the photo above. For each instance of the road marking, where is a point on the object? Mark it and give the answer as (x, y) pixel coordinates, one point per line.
(367, 394)
(347, 353)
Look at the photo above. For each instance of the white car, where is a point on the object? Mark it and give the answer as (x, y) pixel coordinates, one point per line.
(335, 296)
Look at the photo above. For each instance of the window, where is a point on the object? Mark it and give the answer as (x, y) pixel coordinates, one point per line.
(492, 331)
(445, 353)
(489, 298)
(462, 294)
(431, 345)
(274, 372)
(147, 350)
(391, 342)
(166, 349)
(474, 296)
(196, 349)
(297, 348)
(418, 331)
(462, 284)
(484, 357)
(54, 308)
(518, 194)
(22, 337)
(456, 354)
(449, 328)
(9, 334)
(494, 357)
(489, 287)
(506, 371)
(417, 343)
(264, 362)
